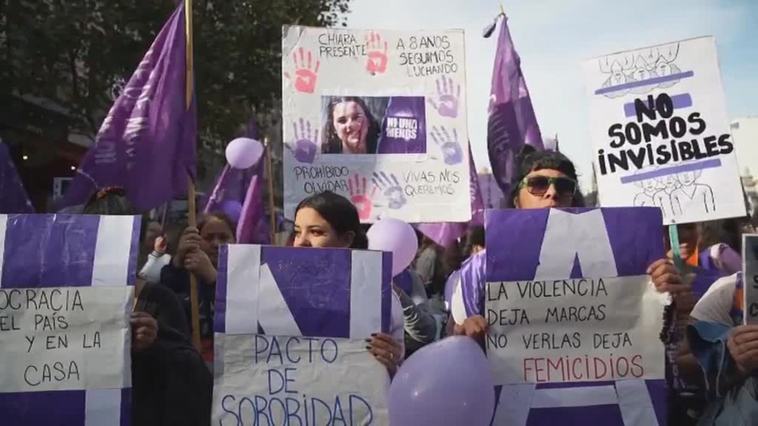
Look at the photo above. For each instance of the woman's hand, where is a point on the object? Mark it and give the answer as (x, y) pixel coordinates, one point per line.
(160, 245)
(743, 346)
(188, 242)
(667, 279)
(198, 263)
(474, 326)
(144, 330)
(386, 350)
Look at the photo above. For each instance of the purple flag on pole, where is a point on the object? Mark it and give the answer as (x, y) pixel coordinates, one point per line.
(512, 122)
(57, 255)
(445, 233)
(251, 226)
(13, 198)
(146, 144)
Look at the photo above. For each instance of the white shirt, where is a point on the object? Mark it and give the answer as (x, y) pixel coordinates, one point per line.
(717, 302)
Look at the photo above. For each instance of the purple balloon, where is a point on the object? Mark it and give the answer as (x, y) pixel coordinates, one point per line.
(232, 208)
(446, 383)
(242, 153)
(396, 237)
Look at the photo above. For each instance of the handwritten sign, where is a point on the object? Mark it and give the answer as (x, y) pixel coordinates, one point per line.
(574, 330)
(64, 338)
(278, 380)
(750, 277)
(379, 117)
(661, 132)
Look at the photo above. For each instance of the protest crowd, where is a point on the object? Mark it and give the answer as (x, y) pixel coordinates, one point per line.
(381, 293)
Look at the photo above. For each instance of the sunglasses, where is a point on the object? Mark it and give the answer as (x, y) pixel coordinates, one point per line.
(538, 185)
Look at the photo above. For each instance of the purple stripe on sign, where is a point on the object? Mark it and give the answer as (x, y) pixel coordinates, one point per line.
(679, 101)
(315, 284)
(634, 248)
(564, 385)
(514, 240)
(699, 165)
(126, 407)
(658, 392)
(43, 408)
(131, 275)
(569, 416)
(641, 83)
(49, 250)
(219, 320)
(386, 291)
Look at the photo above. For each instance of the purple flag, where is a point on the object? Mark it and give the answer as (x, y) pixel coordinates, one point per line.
(307, 292)
(13, 198)
(76, 252)
(492, 196)
(146, 144)
(512, 122)
(251, 227)
(445, 233)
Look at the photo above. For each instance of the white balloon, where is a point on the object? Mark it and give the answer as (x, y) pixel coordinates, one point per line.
(243, 153)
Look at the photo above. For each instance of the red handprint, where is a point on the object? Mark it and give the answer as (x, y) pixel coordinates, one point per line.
(363, 203)
(306, 72)
(377, 54)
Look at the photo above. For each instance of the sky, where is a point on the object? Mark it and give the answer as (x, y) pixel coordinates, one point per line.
(553, 37)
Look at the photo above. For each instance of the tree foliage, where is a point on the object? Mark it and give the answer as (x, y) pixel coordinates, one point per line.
(73, 52)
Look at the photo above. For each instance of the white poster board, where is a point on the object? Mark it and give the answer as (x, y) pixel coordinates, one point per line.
(65, 338)
(660, 130)
(574, 330)
(750, 277)
(379, 117)
(287, 380)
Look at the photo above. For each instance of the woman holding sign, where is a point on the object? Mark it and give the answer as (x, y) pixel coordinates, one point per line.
(328, 220)
(545, 179)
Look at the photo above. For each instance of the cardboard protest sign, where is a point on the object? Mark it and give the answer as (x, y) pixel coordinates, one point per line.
(65, 293)
(574, 327)
(290, 328)
(661, 132)
(750, 277)
(379, 117)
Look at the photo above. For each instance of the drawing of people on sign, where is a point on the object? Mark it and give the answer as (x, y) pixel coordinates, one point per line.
(664, 198)
(646, 198)
(693, 195)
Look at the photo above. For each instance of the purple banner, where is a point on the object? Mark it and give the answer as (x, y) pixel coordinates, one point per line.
(146, 144)
(512, 122)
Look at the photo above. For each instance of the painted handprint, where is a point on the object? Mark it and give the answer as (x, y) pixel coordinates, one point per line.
(451, 149)
(377, 54)
(305, 145)
(306, 71)
(391, 189)
(447, 101)
(363, 202)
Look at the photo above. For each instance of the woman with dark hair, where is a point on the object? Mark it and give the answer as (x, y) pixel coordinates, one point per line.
(197, 253)
(544, 179)
(328, 220)
(349, 127)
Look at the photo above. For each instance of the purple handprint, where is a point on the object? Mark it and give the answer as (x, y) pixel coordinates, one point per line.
(451, 149)
(391, 189)
(447, 104)
(305, 146)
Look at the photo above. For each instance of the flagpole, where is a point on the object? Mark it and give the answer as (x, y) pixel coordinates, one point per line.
(270, 181)
(191, 195)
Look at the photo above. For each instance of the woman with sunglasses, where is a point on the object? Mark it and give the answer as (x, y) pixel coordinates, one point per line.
(545, 179)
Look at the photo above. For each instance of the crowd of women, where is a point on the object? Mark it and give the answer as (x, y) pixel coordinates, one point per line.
(440, 294)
